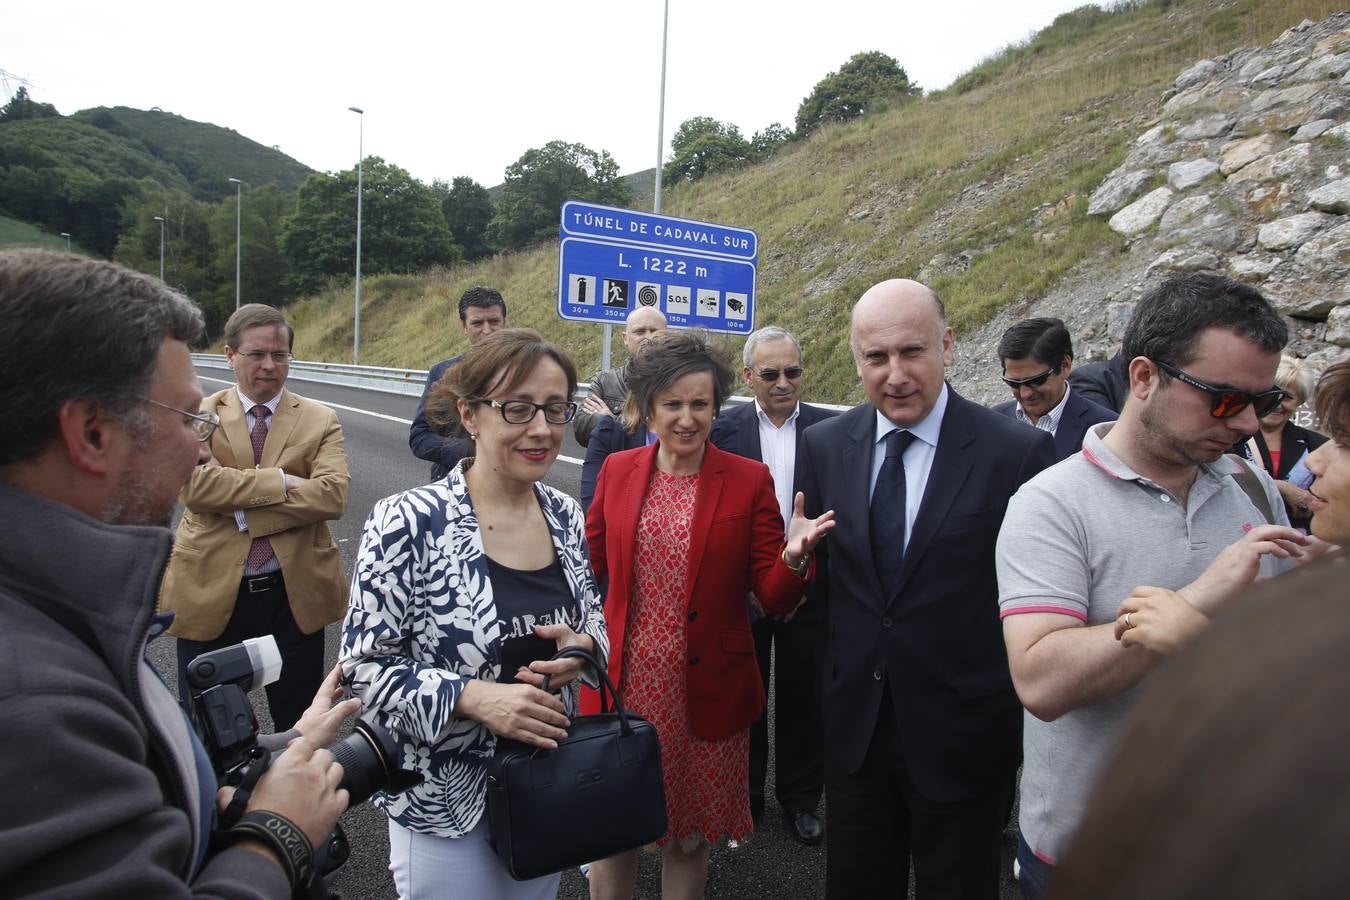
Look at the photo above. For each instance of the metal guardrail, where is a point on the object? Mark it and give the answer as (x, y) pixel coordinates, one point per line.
(407, 382)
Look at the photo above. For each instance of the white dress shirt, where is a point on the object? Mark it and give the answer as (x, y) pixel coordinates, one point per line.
(917, 458)
(778, 450)
(1048, 422)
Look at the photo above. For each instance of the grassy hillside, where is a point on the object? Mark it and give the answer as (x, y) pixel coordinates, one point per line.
(206, 154)
(81, 151)
(980, 190)
(14, 233)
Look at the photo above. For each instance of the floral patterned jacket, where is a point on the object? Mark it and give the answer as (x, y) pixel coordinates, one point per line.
(422, 622)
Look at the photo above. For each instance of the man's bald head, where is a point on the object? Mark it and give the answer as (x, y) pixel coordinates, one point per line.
(902, 346)
(643, 322)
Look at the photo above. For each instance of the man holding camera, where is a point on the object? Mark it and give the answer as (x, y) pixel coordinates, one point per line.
(107, 791)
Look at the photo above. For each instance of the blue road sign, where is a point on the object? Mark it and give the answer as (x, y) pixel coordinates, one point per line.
(699, 274)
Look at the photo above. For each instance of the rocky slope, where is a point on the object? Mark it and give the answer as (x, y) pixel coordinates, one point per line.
(1245, 172)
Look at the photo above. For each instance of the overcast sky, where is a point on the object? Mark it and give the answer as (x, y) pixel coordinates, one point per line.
(456, 88)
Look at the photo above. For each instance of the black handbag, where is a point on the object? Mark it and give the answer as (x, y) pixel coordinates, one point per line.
(599, 793)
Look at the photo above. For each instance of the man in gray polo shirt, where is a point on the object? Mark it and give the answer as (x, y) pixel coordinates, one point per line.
(1117, 555)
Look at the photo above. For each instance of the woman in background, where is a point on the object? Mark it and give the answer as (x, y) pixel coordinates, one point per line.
(462, 591)
(683, 532)
(1280, 444)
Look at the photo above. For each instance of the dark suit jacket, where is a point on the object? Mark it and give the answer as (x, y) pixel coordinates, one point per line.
(736, 430)
(1104, 383)
(606, 436)
(1079, 414)
(735, 546)
(444, 453)
(937, 642)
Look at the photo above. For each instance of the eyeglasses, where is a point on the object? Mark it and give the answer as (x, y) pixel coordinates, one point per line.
(205, 424)
(792, 373)
(280, 357)
(522, 412)
(1224, 403)
(1034, 381)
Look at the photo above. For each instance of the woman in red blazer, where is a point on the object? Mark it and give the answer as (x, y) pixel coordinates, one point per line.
(682, 533)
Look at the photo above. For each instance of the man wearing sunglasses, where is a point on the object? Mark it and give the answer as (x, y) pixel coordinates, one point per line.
(254, 555)
(1037, 356)
(1120, 554)
(770, 430)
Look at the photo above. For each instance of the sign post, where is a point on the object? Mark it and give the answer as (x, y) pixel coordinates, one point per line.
(612, 261)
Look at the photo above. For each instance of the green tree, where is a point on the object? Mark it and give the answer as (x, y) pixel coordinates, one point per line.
(468, 212)
(402, 227)
(540, 182)
(703, 145)
(189, 252)
(264, 271)
(866, 81)
(766, 141)
(22, 106)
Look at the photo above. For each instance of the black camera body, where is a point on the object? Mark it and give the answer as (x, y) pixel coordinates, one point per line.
(224, 720)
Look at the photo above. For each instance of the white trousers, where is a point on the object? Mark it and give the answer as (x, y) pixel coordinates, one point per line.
(429, 867)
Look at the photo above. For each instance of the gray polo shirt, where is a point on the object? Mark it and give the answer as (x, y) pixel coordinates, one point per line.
(1076, 540)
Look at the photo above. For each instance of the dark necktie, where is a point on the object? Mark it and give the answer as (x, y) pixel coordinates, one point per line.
(887, 513)
(260, 551)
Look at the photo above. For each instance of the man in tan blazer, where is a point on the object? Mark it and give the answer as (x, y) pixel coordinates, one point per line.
(253, 554)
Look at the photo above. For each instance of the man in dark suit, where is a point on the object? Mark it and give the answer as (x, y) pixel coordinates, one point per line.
(608, 435)
(770, 430)
(1037, 357)
(1104, 383)
(481, 312)
(923, 728)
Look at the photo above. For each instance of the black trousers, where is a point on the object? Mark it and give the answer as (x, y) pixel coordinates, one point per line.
(879, 821)
(798, 734)
(256, 613)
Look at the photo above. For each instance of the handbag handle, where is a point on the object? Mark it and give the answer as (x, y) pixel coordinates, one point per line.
(587, 656)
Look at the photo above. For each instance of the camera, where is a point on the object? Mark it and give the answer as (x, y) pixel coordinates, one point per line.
(225, 722)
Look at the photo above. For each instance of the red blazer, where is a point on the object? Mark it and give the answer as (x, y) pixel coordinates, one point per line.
(736, 547)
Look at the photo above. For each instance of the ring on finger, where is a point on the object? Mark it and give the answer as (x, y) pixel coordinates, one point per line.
(1128, 623)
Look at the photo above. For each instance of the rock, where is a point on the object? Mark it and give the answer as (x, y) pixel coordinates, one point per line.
(1313, 130)
(1209, 126)
(1300, 93)
(1196, 74)
(1336, 43)
(1140, 215)
(1184, 175)
(1266, 201)
(1205, 100)
(1183, 259)
(1253, 267)
(1324, 263)
(1275, 74)
(1338, 326)
(1258, 63)
(1116, 191)
(1292, 231)
(1325, 68)
(1182, 213)
(1321, 360)
(1333, 197)
(1288, 162)
(1235, 155)
(1339, 133)
(1291, 33)
(1286, 118)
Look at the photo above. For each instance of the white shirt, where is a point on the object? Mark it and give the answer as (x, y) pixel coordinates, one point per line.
(1048, 422)
(778, 450)
(917, 458)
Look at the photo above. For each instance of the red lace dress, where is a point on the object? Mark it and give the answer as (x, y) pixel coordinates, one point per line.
(706, 782)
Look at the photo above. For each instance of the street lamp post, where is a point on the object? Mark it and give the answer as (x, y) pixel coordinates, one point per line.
(160, 220)
(360, 155)
(238, 247)
(66, 235)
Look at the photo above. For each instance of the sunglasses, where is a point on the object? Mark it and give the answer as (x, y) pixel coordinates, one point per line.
(1224, 403)
(1034, 381)
(792, 373)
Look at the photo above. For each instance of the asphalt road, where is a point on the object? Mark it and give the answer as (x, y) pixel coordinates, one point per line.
(375, 429)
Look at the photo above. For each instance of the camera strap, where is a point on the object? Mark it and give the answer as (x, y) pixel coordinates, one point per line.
(234, 811)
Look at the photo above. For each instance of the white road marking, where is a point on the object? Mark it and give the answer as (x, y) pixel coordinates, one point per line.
(567, 459)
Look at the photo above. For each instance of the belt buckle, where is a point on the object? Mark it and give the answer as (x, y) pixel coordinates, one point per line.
(258, 584)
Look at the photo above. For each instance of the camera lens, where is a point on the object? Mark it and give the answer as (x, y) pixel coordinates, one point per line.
(369, 758)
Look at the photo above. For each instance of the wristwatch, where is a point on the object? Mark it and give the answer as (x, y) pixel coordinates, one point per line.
(801, 568)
